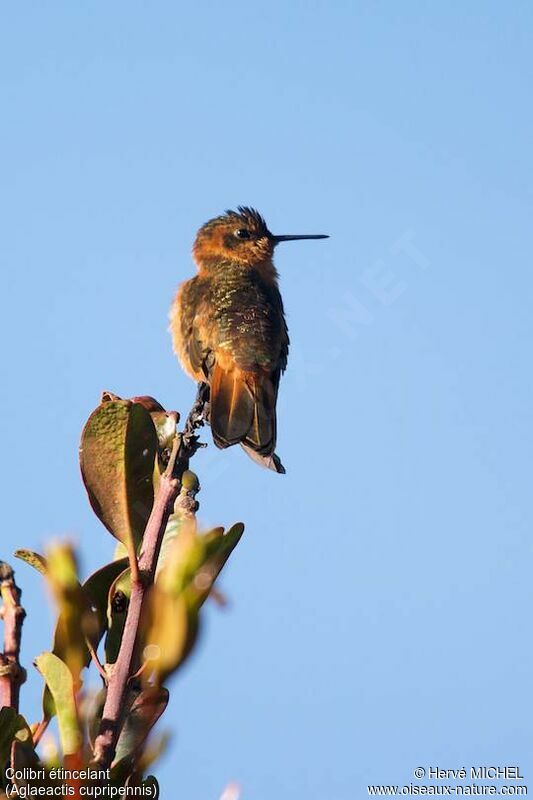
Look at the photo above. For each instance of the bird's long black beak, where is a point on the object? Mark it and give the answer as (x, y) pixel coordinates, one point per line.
(277, 239)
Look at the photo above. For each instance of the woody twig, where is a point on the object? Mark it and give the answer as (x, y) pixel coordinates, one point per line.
(12, 674)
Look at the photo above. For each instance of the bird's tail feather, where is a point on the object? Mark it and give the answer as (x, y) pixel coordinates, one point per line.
(243, 410)
(272, 462)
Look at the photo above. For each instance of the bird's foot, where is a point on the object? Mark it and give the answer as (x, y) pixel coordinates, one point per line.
(197, 417)
(199, 413)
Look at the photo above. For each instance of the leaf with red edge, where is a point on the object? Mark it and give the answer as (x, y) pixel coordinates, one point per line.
(117, 456)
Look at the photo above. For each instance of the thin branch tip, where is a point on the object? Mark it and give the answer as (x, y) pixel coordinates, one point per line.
(12, 673)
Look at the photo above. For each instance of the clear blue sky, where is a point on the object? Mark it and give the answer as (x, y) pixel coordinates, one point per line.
(381, 599)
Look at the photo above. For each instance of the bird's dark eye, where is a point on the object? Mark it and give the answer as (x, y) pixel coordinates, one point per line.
(243, 233)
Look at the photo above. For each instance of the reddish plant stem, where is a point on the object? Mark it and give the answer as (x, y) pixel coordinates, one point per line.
(185, 445)
(39, 731)
(12, 675)
(104, 746)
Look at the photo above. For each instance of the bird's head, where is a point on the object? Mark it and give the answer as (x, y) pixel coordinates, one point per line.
(241, 237)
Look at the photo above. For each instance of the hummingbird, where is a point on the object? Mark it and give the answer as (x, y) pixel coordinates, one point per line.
(229, 330)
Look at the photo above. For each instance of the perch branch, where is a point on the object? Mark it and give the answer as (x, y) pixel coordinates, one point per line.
(12, 675)
(185, 446)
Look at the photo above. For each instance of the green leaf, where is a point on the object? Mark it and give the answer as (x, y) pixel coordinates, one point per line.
(13, 727)
(165, 424)
(167, 633)
(117, 456)
(24, 757)
(83, 618)
(198, 590)
(35, 560)
(75, 617)
(59, 680)
(82, 609)
(75, 621)
(93, 708)
(96, 589)
(182, 551)
(144, 712)
(117, 607)
(119, 552)
(170, 622)
(153, 750)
